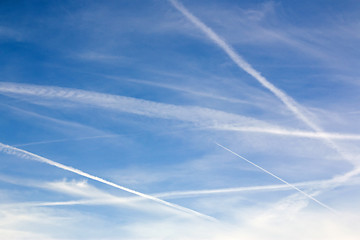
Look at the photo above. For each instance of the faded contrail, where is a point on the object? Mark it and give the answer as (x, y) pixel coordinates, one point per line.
(198, 115)
(63, 140)
(28, 155)
(288, 132)
(180, 89)
(271, 174)
(202, 117)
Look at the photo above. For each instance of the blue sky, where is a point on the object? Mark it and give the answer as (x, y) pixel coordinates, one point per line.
(179, 120)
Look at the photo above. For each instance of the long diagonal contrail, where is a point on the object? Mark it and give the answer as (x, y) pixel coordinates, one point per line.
(28, 155)
(241, 63)
(202, 117)
(280, 179)
(289, 102)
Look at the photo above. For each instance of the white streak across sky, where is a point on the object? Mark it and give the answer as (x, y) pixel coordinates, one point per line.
(240, 62)
(28, 155)
(202, 117)
(280, 179)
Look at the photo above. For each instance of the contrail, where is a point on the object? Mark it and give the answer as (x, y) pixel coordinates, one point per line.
(198, 115)
(63, 140)
(180, 89)
(274, 187)
(28, 155)
(168, 195)
(289, 132)
(176, 194)
(282, 180)
(172, 195)
(240, 62)
(202, 117)
(187, 193)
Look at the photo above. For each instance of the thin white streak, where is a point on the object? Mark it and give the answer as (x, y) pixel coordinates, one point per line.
(180, 194)
(28, 155)
(309, 184)
(192, 193)
(55, 120)
(280, 179)
(292, 133)
(109, 199)
(63, 140)
(168, 195)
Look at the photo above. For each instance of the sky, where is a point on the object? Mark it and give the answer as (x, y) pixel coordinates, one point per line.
(179, 120)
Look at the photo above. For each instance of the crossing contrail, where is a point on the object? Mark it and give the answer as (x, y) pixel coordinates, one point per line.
(280, 179)
(288, 101)
(31, 156)
(241, 63)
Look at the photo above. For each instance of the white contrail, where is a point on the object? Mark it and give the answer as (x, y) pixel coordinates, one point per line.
(197, 115)
(202, 117)
(280, 179)
(109, 199)
(180, 89)
(289, 132)
(190, 193)
(28, 155)
(240, 62)
(172, 195)
(166, 195)
(276, 187)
